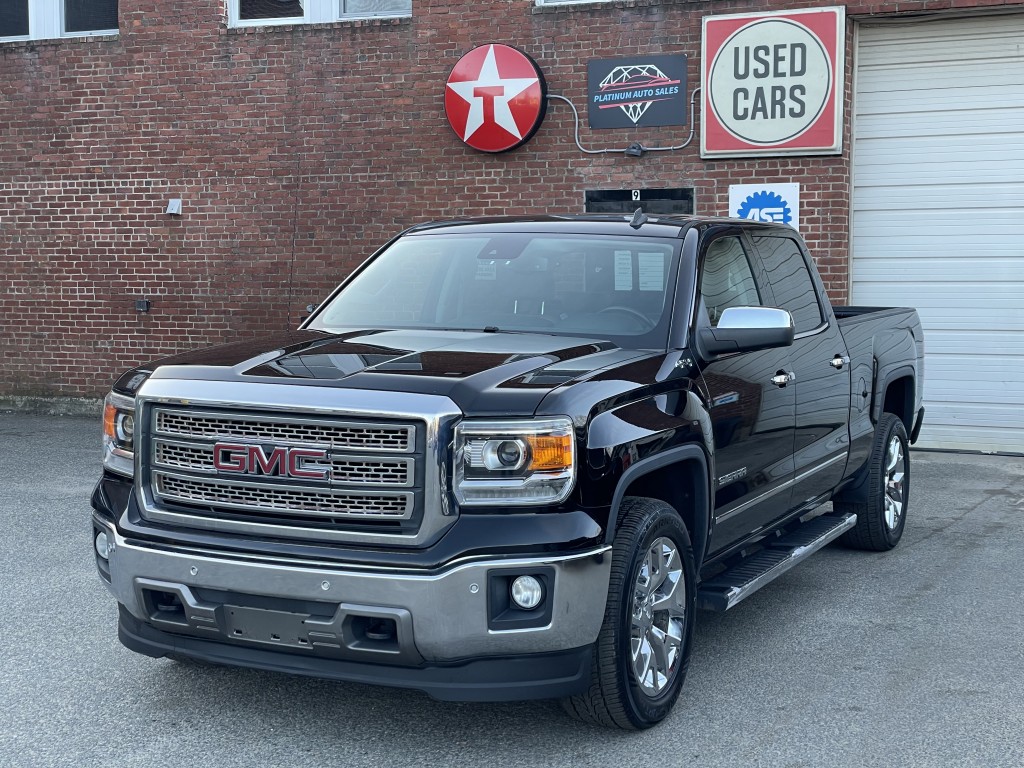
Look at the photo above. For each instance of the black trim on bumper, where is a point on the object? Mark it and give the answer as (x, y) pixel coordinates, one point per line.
(510, 678)
(503, 534)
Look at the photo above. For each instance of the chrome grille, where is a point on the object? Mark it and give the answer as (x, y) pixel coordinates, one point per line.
(353, 436)
(291, 500)
(344, 470)
(372, 477)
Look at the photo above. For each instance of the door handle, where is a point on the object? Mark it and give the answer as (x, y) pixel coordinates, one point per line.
(839, 361)
(782, 378)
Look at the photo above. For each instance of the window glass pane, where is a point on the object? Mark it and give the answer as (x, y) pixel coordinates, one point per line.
(89, 15)
(791, 280)
(13, 18)
(251, 10)
(608, 286)
(376, 7)
(727, 280)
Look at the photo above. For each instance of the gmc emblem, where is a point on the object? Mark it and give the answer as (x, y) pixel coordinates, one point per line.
(282, 462)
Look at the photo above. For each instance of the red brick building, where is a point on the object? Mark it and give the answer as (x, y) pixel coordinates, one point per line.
(297, 145)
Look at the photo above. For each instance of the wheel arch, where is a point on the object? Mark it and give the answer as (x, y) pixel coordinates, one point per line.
(898, 396)
(679, 477)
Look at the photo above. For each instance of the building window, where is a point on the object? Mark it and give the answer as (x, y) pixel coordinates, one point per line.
(81, 16)
(250, 13)
(259, 10)
(42, 19)
(14, 18)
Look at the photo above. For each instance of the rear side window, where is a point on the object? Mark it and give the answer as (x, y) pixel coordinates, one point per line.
(727, 280)
(790, 279)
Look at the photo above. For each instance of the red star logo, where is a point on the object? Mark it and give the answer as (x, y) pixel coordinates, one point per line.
(495, 98)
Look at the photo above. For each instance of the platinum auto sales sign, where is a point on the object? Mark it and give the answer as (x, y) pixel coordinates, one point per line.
(773, 83)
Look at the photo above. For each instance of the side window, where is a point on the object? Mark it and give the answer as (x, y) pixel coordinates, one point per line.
(790, 279)
(727, 280)
(251, 13)
(51, 19)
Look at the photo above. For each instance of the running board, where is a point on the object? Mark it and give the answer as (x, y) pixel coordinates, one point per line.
(746, 577)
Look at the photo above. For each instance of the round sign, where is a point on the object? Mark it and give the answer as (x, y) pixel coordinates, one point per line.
(770, 81)
(495, 98)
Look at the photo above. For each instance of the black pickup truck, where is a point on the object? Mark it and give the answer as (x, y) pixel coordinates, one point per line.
(507, 459)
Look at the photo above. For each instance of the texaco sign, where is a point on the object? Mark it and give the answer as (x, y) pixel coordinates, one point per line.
(773, 83)
(495, 98)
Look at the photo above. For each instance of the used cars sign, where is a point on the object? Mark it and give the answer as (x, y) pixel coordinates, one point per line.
(773, 83)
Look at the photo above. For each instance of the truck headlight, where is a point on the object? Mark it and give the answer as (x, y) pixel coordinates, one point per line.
(119, 434)
(514, 461)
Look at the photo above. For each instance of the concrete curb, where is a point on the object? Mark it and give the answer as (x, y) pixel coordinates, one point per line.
(52, 406)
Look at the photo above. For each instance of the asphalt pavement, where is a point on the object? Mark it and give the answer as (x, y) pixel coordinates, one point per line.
(909, 658)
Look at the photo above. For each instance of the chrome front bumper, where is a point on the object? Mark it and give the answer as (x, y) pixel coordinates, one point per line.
(438, 617)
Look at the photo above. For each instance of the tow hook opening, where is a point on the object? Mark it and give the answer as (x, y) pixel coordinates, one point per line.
(372, 633)
(164, 607)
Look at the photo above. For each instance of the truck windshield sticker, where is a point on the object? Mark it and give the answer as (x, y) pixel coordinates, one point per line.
(623, 270)
(652, 271)
(486, 270)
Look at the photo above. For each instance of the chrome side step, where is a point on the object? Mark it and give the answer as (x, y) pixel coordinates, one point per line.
(746, 577)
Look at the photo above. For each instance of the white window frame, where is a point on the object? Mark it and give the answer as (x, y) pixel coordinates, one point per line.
(313, 12)
(46, 22)
(571, 2)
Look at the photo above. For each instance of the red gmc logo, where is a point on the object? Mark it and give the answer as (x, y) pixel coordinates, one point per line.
(282, 462)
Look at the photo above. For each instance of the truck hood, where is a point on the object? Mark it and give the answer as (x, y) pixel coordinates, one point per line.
(483, 373)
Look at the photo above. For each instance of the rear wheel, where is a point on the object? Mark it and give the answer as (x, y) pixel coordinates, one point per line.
(882, 518)
(642, 652)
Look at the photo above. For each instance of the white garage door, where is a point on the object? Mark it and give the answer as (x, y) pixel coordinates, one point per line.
(938, 213)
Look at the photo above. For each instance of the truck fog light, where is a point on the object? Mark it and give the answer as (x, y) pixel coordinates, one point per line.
(102, 545)
(527, 592)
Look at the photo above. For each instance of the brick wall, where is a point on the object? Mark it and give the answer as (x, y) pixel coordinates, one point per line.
(297, 150)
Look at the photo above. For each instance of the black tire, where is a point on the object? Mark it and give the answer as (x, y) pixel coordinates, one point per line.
(617, 698)
(875, 530)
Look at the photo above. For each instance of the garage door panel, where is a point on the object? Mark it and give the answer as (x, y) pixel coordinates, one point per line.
(885, 108)
(943, 270)
(974, 343)
(987, 379)
(991, 151)
(900, 120)
(892, 44)
(958, 245)
(937, 171)
(956, 75)
(938, 212)
(977, 198)
(961, 435)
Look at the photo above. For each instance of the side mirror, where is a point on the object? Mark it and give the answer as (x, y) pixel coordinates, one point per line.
(747, 329)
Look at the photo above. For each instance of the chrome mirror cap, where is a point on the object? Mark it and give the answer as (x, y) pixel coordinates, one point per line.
(755, 318)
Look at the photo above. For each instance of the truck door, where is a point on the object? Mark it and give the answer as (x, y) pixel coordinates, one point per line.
(752, 416)
(820, 364)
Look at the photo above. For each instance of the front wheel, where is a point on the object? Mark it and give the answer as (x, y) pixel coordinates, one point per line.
(642, 651)
(882, 518)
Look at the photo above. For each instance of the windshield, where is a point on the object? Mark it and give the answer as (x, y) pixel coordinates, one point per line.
(587, 285)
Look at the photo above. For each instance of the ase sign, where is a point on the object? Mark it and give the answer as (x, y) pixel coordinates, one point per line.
(773, 83)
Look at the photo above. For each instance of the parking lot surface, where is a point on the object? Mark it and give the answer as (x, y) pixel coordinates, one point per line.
(909, 658)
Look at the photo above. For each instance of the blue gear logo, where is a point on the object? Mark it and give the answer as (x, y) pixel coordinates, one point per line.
(765, 206)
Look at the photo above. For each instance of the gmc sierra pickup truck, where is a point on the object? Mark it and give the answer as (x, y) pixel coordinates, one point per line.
(507, 459)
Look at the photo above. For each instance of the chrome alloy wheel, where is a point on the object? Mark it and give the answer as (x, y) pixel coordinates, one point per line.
(659, 617)
(895, 471)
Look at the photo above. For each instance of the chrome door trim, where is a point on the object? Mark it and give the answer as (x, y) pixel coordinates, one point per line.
(782, 486)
